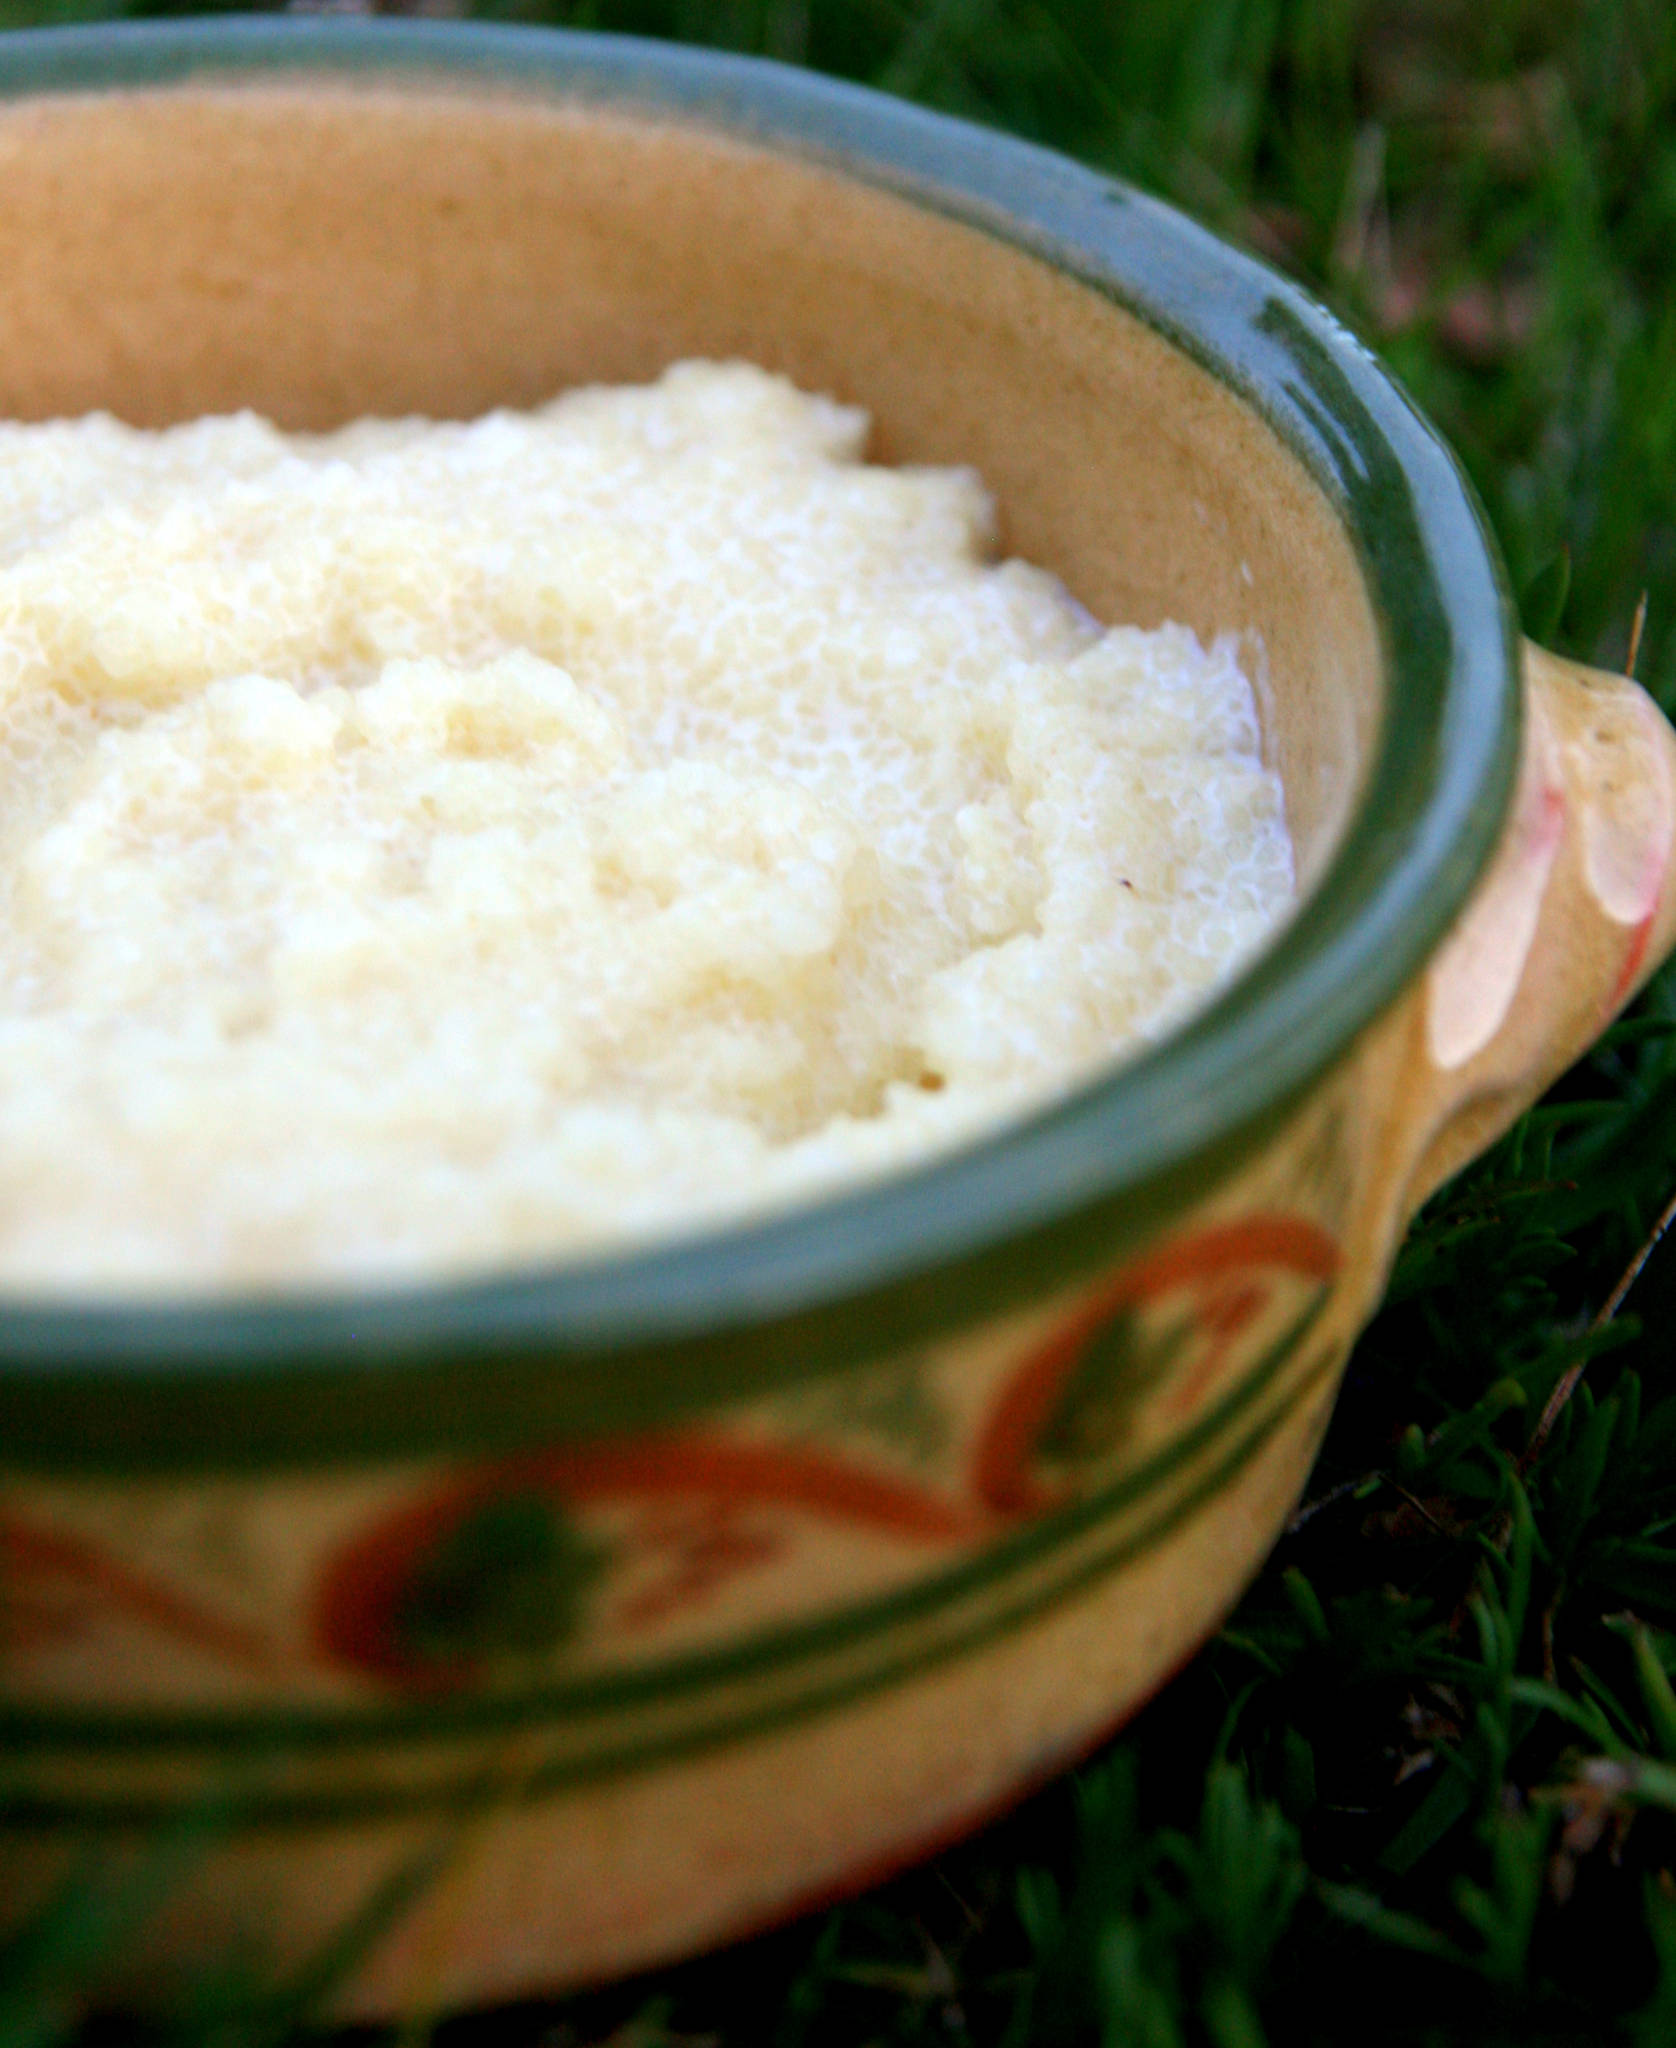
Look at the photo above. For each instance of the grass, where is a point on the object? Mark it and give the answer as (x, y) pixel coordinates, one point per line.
(1422, 1789)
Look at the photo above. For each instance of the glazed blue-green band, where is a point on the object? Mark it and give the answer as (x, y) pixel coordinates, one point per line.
(646, 1336)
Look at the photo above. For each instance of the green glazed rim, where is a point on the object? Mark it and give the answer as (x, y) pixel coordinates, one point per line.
(644, 1336)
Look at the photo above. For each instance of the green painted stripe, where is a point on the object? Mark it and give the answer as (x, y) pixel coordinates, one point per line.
(657, 1685)
(969, 1625)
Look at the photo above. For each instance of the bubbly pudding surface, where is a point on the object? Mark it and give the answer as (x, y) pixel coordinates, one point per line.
(428, 847)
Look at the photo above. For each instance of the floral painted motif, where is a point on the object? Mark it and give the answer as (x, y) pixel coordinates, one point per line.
(476, 1554)
(481, 1555)
(1074, 1399)
(580, 1555)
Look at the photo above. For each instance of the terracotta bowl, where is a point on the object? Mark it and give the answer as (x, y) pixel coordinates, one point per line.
(601, 1613)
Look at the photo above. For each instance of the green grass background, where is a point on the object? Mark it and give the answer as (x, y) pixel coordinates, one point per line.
(1423, 1788)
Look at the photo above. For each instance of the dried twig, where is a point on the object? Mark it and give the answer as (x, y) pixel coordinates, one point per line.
(1566, 1385)
(1638, 625)
(1377, 1476)
(1309, 1509)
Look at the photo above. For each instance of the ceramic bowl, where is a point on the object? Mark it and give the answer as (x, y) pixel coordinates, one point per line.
(584, 1617)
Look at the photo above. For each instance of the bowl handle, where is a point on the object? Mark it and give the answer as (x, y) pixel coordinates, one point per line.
(1576, 909)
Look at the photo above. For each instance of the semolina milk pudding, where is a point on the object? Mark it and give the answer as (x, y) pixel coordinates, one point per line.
(427, 847)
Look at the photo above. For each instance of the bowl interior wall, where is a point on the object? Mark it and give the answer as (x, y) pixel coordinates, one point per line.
(319, 252)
